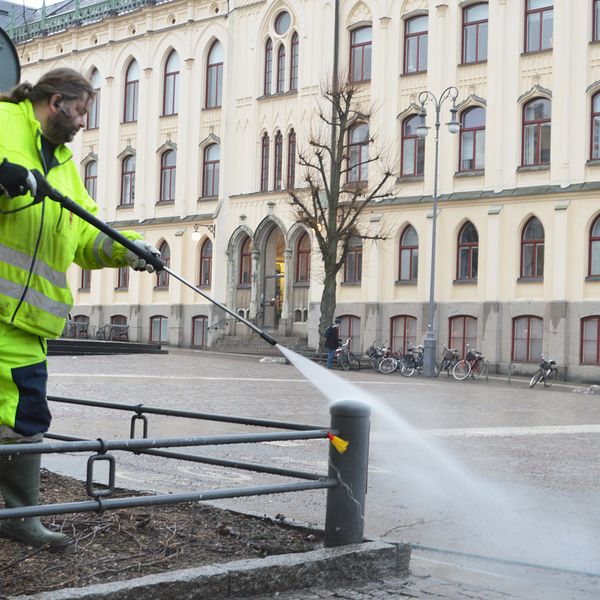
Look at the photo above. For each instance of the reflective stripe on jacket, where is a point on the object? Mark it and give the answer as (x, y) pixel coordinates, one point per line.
(39, 243)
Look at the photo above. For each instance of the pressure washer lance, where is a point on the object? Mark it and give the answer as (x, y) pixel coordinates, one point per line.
(156, 261)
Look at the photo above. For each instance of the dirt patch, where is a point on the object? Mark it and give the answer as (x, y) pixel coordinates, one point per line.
(133, 542)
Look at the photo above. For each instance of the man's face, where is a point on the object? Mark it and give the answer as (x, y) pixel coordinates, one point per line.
(66, 119)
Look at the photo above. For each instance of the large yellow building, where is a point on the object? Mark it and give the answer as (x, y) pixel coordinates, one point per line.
(203, 106)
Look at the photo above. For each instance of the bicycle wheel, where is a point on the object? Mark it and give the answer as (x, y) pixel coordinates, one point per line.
(388, 365)
(462, 369)
(374, 362)
(480, 369)
(354, 362)
(536, 377)
(407, 368)
(550, 376)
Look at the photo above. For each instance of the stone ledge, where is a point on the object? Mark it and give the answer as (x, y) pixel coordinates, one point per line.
(327, 566)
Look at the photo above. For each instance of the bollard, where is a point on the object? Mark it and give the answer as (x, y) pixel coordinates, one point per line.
(344, 518)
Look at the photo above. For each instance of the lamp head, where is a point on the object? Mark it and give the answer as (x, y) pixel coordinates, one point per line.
(422, 129)
(453, 124)
(196, 235)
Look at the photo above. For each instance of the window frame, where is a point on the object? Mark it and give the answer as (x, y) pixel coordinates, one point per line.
(477, 25)
(264, 165)
(535, 243)
(213, 95)
(92, 119)
(280, 81)
(475, 131)
(540, 12)
(122, 278)
(408, 337)
(595, 20)
(90, 181)
(538, 124)
(528, 354)
(203, 320)
(205, 270)
(171, 87)
(162, 277)
(162, 322)
(85, 280)
(245, 274)
(268, 68)
(127, 181)
(210, 172)
(353, 260)
(358, 149)
(419, 167)
(294, 61)
(170, 172)
(413, 255)
(303, 258)
(131, 95)
(594, 118)
(291, 160)
(365, 49)
(278, 161)
(582, 340)
(422, 37)
(472, 249)
(593, 240)
(466, 337)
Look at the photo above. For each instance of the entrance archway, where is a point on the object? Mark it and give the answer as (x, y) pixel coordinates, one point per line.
(273, 284)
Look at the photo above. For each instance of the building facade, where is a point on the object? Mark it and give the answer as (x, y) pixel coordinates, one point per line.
(202, 110)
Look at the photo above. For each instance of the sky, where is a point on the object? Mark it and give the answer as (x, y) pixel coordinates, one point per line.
(38, 3)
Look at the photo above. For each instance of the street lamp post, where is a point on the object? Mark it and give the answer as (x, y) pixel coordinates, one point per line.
(450, 93)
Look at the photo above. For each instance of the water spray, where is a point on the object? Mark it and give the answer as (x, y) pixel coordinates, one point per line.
(156, 261)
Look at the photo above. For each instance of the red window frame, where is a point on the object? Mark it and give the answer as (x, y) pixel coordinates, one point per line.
(358, 153)
(85, 280)
(460, 333)
(130, 97)
(268, 75)
(303, 254)
(594, 340)
(278, 161)
(353, 262)
(349, 324)
(478, 133)
(477, 25)
(537, 13)
(536, 244)
(92, 120)
(291, 160)
(280, 87)
(162, 277)
(91, 178)
(171, 85)
(470, 251)
(409, 136)
(205, 275)
(535, 126)
(403, 333)
(245, 274)
(123, 278)
(210, 171)
(264, 166)
(596, 20)
(360, 56)
(421, 38)
(168, 173)
(529, 357)
(160, 319)
(412, 250)
(127, 197)
(199, 324)
(294, 62)
(214, 78)
(594, 243)
(595, 126)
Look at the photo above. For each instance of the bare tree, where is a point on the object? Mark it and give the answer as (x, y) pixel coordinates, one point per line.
(335, 195)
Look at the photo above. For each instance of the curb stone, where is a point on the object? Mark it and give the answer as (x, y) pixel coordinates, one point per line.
(326, 566)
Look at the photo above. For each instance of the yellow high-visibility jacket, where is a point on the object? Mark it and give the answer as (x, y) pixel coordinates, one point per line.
(40, 242)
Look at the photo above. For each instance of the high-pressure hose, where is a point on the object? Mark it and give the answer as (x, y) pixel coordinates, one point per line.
(156, 261)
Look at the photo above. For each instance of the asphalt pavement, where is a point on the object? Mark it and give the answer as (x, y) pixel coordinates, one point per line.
(494, 484)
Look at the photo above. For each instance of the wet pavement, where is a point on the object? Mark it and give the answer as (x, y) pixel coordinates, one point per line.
(481, 468)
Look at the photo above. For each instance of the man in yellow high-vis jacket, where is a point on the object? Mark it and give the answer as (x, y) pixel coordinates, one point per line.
(39, 240)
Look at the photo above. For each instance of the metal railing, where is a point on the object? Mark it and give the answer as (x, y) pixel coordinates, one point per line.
(345, 481)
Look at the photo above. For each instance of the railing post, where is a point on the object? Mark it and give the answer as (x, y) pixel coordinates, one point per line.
(344, 518)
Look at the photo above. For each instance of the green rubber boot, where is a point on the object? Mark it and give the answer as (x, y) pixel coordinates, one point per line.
(20, 486)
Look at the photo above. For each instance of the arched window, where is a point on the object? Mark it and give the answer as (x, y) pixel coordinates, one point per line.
(536, 132)
(294, 62)
(264, 166)
(403, 333)
(278, 162)
(358, 153)
(413, 148)
(132, 82)
(467, 256)
(353, 263)
(590, 341)
(162, 277)
(462, 330)
(245, 277)
(291, 161)
(93, 115)
(595, 128)
(91, 178)
(360, 54)
(210, 170)
(82, 326)
(168, 171)
(200, 331)
(475, 33)
(409, 255)
(268, 79)
(280, 69)
(303, 259)
(594, 258)
(472, 139)
(532, 249)
(206, 252)
(171, 85)
(415, 44)
(159, 329)
(527, 338)
(539, 15)
(128, 181)
(214, 76)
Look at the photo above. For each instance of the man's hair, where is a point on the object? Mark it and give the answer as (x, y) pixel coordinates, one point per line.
(69, 83)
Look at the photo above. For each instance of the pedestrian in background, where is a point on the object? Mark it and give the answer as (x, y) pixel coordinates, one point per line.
(332, 341)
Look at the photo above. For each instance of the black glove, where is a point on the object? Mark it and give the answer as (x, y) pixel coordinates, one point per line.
(16, 180)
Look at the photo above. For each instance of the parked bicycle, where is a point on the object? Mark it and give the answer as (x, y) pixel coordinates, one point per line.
(449, 360)
(474, 365)
(376, 354)
(547, 372)
(412, 361)
(345, 358)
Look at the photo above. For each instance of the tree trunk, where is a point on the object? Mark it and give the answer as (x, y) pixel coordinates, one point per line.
(327, 305)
